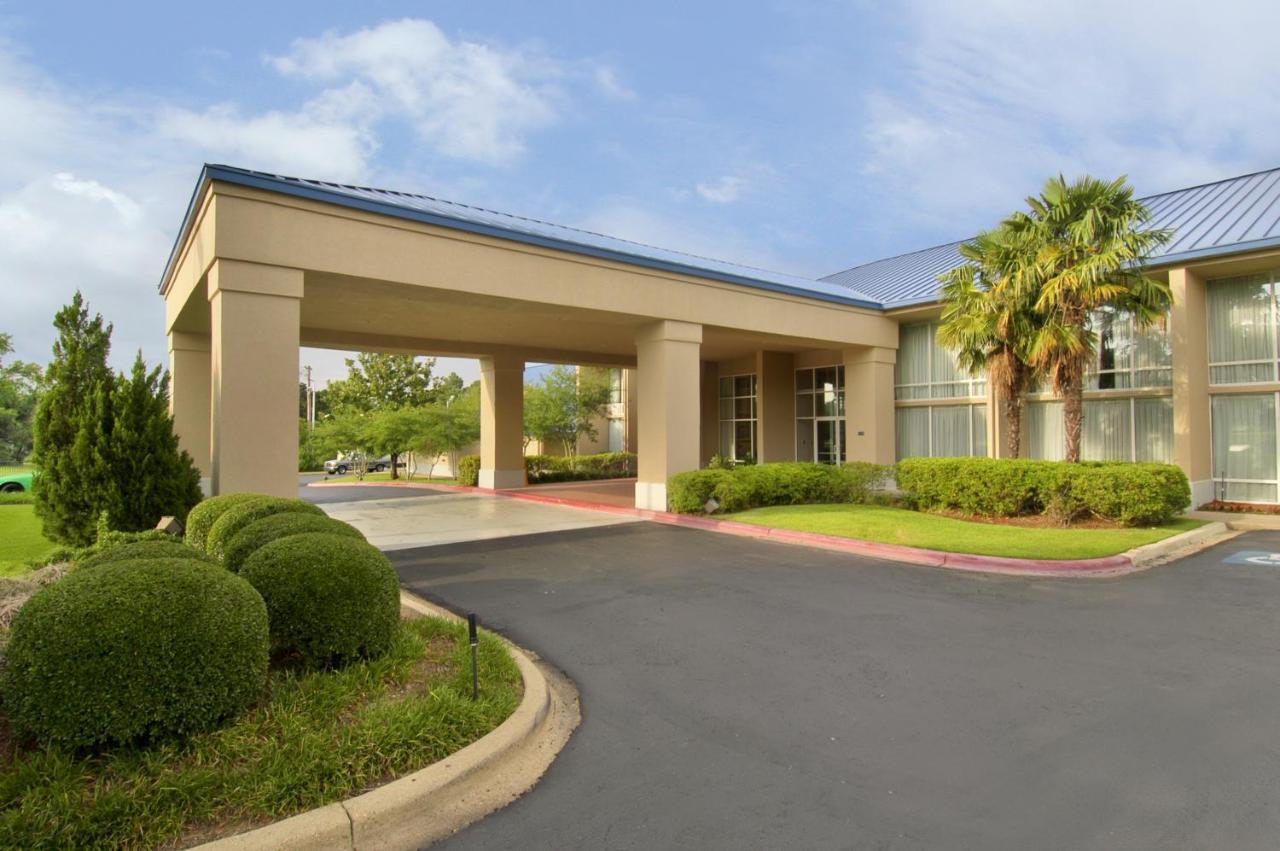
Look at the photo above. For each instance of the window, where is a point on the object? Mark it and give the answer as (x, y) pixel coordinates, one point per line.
(820, 428)
(1128, 357)
(926, 370)
(1242, 329)
(738, 417)
(1244, 447)
(617, 435)
(1133, 429)
(615, 387)
(943, 431)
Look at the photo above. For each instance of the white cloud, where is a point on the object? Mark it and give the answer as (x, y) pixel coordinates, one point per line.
(470, 100)
(607, 81)
(998, 95)
(726, 190)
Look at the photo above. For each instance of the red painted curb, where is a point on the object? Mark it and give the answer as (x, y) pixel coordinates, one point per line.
(1104, 566)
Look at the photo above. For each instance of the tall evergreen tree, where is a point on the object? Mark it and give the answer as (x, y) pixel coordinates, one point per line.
(72, 424)
(152, 476)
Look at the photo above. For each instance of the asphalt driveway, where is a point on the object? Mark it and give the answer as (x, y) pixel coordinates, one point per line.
(744, 694)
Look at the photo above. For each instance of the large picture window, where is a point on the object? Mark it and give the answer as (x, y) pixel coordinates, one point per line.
(1242, 329)
(738, 417)
(820, 434)
(1132, 429)
(1244, 447)
(942, 431)
(925, 370)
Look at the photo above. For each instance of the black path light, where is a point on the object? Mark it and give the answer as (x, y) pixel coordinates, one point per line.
(475, 674)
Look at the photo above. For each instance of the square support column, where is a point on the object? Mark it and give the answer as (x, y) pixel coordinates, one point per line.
(1188, 338)
(868, 404)
(669, 373)
(256, 314)
(776, 407)
(502, 423)
(191, 395)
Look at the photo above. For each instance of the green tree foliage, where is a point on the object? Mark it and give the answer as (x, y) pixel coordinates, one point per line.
(1080, 248)
(19, 390)
(990, 327)
(153, 476)
(377, 383)
(104, 444)
(72, 422)
(565, 406)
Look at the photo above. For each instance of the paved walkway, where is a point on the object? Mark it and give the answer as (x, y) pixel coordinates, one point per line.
(743, 694)
(395, 518)
(618, 492)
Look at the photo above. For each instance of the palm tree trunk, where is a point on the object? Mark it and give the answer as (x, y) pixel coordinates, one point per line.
(1073, 416)
(1013, 420)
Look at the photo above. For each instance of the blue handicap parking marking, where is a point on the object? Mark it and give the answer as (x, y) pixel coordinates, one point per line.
(1253, 557)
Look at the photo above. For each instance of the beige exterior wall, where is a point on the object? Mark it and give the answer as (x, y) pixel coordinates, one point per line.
(191, 395)
(668, 407)
(776, 407)
(869, 409)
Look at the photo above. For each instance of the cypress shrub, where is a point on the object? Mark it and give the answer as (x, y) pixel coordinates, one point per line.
(259, 533)
(143, 651)
(330, 598)
(468, 472)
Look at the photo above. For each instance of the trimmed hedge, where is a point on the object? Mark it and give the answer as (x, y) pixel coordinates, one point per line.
(147, 650)
(330, 598)
(468, 472)
(242, 514)
(151, 549)
(259, 533)
(757, 485)
(1126, 493)
(541, 469)
(206, 512)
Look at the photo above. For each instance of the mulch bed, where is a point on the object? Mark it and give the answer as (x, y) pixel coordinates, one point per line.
(1240, 507)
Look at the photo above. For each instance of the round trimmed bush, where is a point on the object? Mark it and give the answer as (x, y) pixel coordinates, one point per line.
(145, 651)
(261, 532)
(241, 515)
(206, 512)
(145, 550)
(331, 598)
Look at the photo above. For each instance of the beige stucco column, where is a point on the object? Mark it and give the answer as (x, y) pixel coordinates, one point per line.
(1188, 332)
(669, 374)
(254, 352)
(502, 422)
(709, 425)
(868, 404)
(190, 395)
(775, 407)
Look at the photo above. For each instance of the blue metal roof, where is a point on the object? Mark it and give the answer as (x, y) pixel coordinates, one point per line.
(1225, 217)
(424, 208)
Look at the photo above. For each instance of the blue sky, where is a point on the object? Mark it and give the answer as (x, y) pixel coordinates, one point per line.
(800, 136)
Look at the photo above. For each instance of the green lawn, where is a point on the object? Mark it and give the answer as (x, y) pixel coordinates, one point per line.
(386, 477)
(20, 539)
(317, 737)
(935, 532)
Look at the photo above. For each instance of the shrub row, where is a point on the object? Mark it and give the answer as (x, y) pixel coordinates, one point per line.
(541, 469)
(758, 485)
(1123, 492)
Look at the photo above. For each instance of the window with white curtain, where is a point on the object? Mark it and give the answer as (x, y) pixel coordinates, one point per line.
(1130, 429)
(1242, 329)
(1244, 447)
(941, 431)
(926, 370)
(1128, 357)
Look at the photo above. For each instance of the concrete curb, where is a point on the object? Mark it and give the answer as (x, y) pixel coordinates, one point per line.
(441, 799)
(1120, 564)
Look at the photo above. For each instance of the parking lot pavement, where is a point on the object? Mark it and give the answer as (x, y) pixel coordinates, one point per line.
(746, 694)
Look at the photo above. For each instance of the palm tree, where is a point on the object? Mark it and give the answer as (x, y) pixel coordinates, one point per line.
(990, 327)
(1081, 247)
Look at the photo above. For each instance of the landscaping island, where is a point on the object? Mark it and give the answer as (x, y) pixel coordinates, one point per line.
(165, 692)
